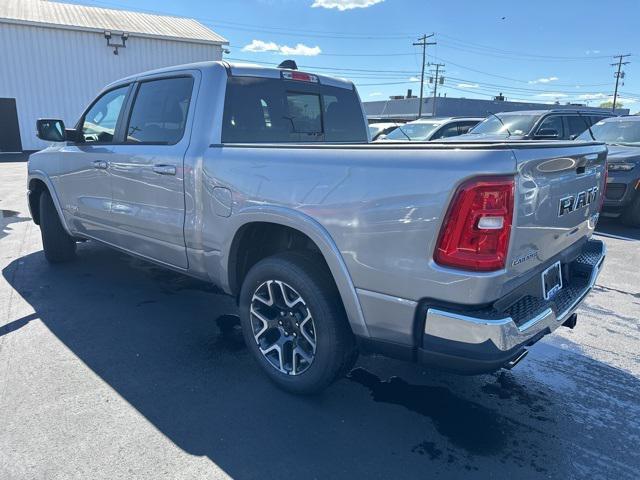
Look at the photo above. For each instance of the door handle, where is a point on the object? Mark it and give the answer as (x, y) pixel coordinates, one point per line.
(101, 164)
(164, 169)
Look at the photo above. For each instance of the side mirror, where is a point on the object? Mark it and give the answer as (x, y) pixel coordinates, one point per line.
(51, 130)
(548, 134)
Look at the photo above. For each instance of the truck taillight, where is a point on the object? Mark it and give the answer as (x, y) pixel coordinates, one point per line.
(476, 230)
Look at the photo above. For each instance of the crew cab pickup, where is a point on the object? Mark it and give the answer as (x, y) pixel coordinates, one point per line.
(263, 181)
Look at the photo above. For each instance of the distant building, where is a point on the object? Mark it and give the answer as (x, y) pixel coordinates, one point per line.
(55, 57)
(400, 108)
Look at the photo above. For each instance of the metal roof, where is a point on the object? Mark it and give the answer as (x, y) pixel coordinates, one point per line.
(81, 17)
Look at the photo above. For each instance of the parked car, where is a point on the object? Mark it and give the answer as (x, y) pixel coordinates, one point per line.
(427, 129)
(559, 124)
(377, 129)
(263, 182)
(622, 194)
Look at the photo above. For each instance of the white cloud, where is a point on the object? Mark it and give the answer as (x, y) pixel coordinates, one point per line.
(593, 96)
(544, 80)
(626, 101)
(375, 94)
(299, 49)
(552, 95)
(468, 85)
(592, 52)
(414, 79)
(343, 5)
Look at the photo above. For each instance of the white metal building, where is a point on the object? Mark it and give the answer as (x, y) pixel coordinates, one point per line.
(55, 57)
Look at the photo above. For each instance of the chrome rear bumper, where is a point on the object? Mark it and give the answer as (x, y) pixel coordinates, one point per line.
(486, 340)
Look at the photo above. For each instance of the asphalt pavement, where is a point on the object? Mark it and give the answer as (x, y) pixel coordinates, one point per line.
(113, 368)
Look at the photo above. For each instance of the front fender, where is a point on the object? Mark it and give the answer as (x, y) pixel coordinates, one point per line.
(319, 235)
(44, 178)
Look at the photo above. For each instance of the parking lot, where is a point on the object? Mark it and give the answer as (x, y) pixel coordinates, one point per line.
(113, 368)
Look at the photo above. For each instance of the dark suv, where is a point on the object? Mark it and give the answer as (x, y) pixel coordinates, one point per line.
(622, 194)
(559, 124)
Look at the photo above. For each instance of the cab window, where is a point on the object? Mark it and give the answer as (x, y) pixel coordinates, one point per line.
(99, 123)
(159, 112)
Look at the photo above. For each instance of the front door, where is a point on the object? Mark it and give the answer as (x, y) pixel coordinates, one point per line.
(147, 177)
(84, 175)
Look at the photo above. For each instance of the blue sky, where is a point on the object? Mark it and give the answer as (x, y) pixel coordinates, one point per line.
(537, 50)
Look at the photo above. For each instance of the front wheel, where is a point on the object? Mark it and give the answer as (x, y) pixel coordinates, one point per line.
(58, 245)
(294, 323)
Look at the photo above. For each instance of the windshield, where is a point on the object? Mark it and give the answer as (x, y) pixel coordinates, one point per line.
(626, 132)
(414, 131)
(514, 124)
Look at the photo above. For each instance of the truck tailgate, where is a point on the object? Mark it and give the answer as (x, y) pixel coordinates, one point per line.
(558, 197)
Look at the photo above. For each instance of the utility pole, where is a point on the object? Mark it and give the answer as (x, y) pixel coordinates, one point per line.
(619, 74)
(422, 41)
(435, 85)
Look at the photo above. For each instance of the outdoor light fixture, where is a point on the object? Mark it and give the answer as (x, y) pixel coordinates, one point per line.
(123, 37)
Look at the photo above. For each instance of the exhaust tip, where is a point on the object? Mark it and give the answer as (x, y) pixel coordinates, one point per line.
(516, 360)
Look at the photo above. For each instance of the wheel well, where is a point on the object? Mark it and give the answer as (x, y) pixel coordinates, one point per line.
(36, 187)
(259, 240)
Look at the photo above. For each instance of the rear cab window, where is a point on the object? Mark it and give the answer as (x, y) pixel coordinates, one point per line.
(272, 110)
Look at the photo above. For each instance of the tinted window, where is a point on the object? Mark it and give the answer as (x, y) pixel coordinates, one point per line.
(267, 110)
(450, 130)
(464, 127)
(577, 125)
(159, 112)
(304, 112)
(553, 122)
(99, 123)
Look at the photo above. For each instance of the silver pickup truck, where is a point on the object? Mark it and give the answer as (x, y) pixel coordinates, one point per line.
(262, 181)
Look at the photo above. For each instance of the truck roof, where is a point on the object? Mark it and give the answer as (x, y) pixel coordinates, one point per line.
(237, 69)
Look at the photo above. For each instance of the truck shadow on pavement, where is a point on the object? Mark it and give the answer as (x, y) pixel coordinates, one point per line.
(152, 336)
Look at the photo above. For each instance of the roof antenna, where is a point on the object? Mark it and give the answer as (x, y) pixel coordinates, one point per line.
(289, 65)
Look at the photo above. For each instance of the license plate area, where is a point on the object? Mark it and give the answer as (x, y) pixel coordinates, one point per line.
(551, 281)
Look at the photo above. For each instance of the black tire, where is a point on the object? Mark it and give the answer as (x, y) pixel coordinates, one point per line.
(631, 214)
(335, 351)
(58, 245)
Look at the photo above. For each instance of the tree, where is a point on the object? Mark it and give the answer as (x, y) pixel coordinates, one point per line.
(609, 104)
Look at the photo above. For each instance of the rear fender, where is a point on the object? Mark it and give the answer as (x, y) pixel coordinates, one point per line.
(319, 235)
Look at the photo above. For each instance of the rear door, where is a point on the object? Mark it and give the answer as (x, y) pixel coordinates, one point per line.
(148, 206)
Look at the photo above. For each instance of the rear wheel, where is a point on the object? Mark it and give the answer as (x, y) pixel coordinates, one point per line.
(294, 323)
(631, 214)
(58, 245)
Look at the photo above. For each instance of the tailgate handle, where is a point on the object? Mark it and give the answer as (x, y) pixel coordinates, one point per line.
(164, 169)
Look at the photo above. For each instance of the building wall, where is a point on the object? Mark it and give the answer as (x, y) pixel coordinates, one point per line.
(56, 73)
